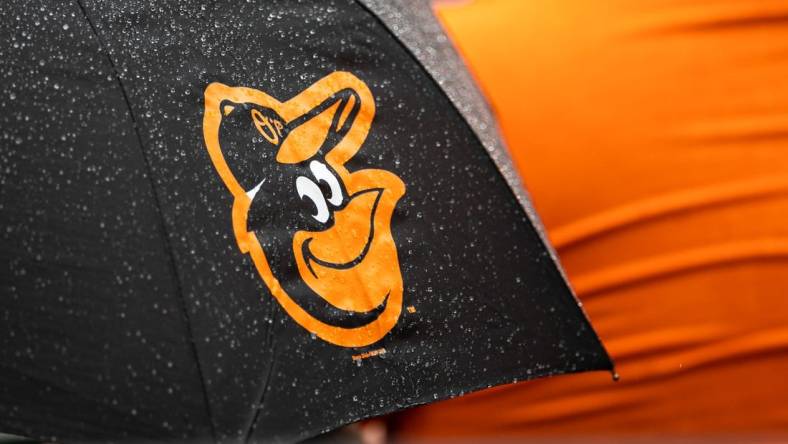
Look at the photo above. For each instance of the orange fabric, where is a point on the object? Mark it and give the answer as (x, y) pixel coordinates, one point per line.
(653, 136)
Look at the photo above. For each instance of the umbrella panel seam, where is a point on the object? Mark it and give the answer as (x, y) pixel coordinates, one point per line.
(162, 224)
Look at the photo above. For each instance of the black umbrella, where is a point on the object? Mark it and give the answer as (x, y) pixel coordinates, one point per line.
(255, 221)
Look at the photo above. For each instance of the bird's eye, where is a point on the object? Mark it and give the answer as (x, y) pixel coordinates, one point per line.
(307, 188)
(322, 174)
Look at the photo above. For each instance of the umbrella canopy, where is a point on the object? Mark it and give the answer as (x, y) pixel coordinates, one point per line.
(253, 221)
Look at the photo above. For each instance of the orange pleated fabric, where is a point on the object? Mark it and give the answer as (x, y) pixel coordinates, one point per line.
(653, 136)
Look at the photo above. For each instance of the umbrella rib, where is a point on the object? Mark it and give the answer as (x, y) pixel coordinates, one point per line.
(269, 339)
(162, 225)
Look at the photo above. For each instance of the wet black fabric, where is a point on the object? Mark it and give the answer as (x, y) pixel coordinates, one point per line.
(93, 341)
(127, 310)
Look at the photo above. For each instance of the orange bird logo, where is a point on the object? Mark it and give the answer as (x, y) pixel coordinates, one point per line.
(319, 235)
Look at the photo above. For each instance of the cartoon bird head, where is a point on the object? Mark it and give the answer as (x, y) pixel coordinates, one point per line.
(319, 235)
